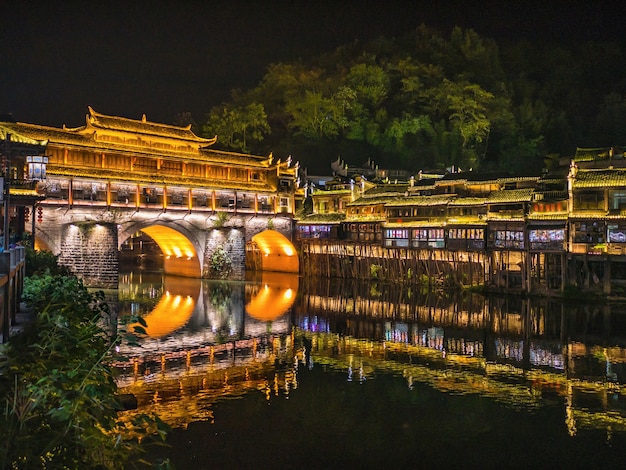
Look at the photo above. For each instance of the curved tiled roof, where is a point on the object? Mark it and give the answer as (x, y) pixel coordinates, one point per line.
(72, 138)
(145, 127)
(468, 201)
(19, 137)
(436, 200)
(510, 195)
(600, 178)
(333, 218)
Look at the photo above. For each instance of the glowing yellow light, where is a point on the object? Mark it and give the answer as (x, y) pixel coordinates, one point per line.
(169, 315)
(275, 298)
(171, 242)
(279, 253)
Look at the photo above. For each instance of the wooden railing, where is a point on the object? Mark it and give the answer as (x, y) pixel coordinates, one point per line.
(12, 272)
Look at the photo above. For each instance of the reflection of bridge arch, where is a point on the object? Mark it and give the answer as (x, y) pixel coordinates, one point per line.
(174, 309)
(273, 297)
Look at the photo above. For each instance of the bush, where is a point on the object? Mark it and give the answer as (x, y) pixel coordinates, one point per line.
(42, 261)
(60, 407)
(220, 264)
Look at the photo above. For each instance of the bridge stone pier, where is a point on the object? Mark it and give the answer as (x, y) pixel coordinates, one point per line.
(88, 240)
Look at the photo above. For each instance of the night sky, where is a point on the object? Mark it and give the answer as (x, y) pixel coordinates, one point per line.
(162, 58)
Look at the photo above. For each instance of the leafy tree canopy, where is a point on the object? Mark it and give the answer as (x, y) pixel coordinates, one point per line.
(428, 101)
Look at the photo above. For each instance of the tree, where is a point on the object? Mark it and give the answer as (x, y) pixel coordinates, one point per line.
(237, 126)
(184, 119)
(311, 115)
(465, 106)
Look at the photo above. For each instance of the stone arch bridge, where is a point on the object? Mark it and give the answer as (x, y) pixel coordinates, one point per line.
(89, 188)
(88, 239)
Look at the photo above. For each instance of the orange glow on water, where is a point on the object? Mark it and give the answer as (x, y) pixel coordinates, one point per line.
(275, 297)
(171, 313)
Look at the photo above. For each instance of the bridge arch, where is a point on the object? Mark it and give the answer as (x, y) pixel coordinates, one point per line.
(274, 252)
(180, 253)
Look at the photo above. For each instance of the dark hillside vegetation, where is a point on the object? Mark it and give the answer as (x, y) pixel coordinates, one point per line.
(432, 101)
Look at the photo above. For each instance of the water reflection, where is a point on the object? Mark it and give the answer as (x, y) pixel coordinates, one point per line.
(520, 352)
(274, 295)
(213, 340)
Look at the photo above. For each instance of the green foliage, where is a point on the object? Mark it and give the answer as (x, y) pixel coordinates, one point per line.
(220, 264)
(237, 126)
(60, 406)
(221, 219)
(42, 261)
(270, 224)
(376, 271)
(428, 101)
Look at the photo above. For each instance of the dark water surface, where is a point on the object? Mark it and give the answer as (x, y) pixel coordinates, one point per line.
(278, 373)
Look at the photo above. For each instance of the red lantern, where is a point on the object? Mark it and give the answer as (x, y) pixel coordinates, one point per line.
(26, 214)
(40, 214)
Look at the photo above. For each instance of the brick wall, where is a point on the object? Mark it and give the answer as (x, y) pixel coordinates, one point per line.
(233, 242)
(90, 251)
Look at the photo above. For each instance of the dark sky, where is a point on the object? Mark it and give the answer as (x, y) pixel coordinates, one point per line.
(165, 57)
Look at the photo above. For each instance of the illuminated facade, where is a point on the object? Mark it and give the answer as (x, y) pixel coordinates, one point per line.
(521, 234)
(114, 177)
(113, 161)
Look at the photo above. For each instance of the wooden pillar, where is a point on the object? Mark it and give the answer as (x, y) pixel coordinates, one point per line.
(70, 192)
(606, 279)
(563, 271)
(526, 270)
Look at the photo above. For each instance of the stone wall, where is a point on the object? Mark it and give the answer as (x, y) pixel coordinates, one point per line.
(225, 254)
(90, 251)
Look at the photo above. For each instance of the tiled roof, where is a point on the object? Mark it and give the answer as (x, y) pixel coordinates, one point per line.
(510, 195)
(416, 224)
(517, 179)
(369, 202)
(467, 220)
(468, 201)
(436, 200)
(24, 192)
(332, 192)
(366, 218)
(588, 154)
(600, 178)
(588, 215)
(18, 137)
(143, 126)
(547, 216)
(386, 190)
(56, 136)
(334, 218)
(496, 216)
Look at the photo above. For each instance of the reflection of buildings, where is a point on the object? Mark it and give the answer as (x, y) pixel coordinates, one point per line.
(516, 352)
(181, 385)
(273, 296)
(207, 339)
(199, 312)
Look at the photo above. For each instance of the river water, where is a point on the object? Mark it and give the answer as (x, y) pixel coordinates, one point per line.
(276, 372)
